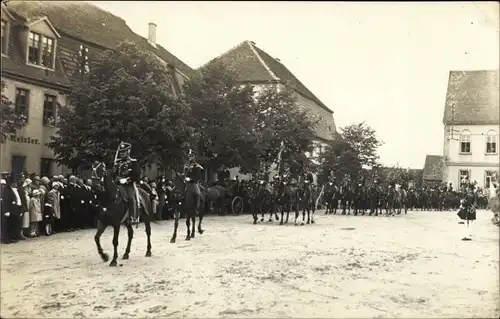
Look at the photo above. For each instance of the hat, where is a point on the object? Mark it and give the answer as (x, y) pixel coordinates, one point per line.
(27, 182)
(56, 184)
(45, 180)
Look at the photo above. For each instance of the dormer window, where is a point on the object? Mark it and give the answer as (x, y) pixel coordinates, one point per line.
(40, 50)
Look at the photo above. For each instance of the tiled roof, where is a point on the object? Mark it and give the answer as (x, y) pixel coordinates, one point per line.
(475, 96)
(82, 20)
(253, 65)
(433, 168)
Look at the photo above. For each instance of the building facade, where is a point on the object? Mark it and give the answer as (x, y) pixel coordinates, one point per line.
(254, 66)
(47, 46)
(471, 127)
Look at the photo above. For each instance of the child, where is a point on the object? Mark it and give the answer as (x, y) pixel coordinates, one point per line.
(35, 211)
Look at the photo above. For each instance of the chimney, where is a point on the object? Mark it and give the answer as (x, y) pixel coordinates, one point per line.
(152, 34)
(277, 59)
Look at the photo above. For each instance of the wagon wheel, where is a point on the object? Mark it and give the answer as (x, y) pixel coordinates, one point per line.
(237, 205)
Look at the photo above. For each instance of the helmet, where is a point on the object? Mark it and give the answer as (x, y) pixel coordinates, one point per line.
(123, 151)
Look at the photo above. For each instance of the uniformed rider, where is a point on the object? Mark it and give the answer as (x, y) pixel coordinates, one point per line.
(128, 172)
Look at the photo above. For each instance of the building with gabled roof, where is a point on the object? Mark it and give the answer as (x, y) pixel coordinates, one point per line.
(471, 127)
(254, 66)
(46, 47)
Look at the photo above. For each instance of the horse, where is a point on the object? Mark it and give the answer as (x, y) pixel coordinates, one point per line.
(346, 196)
(114, 213)
(359, 199)
(375, 198)
(263, 202)
(331, 199)
(307, 202)
(286, 198)
(188, 199)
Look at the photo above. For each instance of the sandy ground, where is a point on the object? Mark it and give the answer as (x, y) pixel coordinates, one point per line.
(342, 266)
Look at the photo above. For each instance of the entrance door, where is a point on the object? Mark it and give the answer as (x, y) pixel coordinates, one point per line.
(18, 163)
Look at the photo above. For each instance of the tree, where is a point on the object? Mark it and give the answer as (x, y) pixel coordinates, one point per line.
(128, 97)
(278, 120)
(222, 117)
(354, 149)
(11, 121)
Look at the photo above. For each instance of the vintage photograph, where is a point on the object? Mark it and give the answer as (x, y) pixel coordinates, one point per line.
(249, 159)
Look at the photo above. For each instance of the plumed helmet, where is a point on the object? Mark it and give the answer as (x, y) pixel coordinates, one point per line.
(123, 151)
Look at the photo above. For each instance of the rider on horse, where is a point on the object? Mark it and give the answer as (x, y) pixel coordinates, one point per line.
(128, 172)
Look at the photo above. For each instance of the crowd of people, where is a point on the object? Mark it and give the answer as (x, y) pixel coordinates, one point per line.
(32, 205)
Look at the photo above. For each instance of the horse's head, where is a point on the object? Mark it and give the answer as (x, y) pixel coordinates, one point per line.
(99, 171)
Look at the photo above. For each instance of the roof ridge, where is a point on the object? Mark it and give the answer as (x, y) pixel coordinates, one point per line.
(268, 69)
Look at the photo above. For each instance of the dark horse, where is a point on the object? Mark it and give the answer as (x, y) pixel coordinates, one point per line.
(307, 202)
(114, 212)
(286, 199)
(188, 199)
(331, 198)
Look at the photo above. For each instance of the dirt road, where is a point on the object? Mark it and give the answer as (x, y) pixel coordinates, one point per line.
(342, 266)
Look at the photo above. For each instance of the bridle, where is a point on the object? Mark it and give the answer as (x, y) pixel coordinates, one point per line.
(94, 171)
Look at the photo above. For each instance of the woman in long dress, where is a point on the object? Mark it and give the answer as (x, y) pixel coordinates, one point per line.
(35, 210)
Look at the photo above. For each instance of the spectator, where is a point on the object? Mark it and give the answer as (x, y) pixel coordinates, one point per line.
(154, 201)
(52, 211)
(35, 209)
(25, 192)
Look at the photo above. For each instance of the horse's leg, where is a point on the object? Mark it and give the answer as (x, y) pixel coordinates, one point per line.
(193, 226)
(116, 233)
(296, 213)
(282, 214)
(304, 206)
(147, 228)
(200, 230)
(308, 213)
(130, 232)
(177, 215)
(100, 230)
(188, 224)
(313, 210)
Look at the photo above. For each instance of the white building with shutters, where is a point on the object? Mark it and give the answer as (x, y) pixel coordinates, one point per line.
(471, 127)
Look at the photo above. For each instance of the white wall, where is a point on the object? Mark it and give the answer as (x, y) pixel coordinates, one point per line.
(477, 161)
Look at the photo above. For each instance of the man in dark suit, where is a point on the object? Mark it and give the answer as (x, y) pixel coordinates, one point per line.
(11, 210)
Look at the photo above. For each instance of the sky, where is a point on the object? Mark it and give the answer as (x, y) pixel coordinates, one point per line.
(383, 63)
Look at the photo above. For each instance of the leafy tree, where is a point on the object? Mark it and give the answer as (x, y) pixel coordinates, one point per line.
(126, 97)
(354, 149)
(222, 117)
(11, 122)
(281, 125)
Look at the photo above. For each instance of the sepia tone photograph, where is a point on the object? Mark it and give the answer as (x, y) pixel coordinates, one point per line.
(249, 159)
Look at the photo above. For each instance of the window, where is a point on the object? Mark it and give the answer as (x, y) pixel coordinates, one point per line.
(491, 142)
(46, 167)
(34, 48)
(48, 52)
(4, 37)
(17, 165)
(49, 110)
(488, 178)
(465, 142)
(84, 60)
(41, 50)
(22, 102)
(464, 176)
